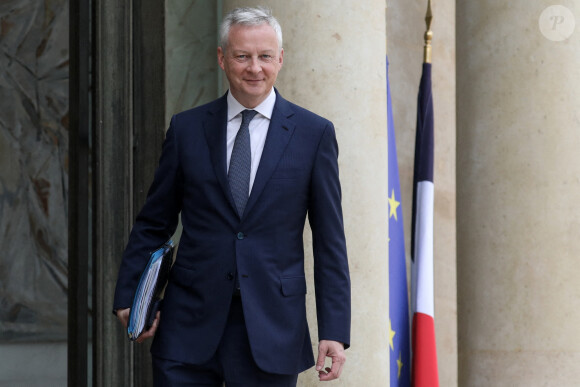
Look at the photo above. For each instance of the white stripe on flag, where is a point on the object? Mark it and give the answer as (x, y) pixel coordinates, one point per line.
(423, 260)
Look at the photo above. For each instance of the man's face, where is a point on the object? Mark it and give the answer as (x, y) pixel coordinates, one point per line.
(251, 62)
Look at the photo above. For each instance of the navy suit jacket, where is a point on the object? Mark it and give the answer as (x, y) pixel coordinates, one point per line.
(297, 177)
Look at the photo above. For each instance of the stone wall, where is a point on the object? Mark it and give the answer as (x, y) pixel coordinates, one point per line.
(33, 169)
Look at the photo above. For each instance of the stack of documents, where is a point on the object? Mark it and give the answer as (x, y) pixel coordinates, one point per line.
(148, 296)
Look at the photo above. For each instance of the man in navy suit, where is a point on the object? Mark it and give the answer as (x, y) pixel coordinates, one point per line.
(234, 308)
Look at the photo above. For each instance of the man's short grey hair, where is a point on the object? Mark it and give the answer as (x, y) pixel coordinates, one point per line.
(249, 17)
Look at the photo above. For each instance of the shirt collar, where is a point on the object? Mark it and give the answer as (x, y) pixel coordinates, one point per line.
(265, 108)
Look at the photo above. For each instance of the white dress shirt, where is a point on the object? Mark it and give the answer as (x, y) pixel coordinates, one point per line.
(258, 129)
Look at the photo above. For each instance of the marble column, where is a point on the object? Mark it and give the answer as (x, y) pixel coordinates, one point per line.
(334, 65)
(518, 183)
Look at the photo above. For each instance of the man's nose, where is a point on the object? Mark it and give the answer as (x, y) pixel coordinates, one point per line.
(254, 65)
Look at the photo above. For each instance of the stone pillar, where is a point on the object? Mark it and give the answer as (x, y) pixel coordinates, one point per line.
(112, 195)
(334, 65)
(517, 199)
(128, 130)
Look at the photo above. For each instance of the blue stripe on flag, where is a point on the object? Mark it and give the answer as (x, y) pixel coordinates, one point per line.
(424, 143)
(399, 335)
(424, 137)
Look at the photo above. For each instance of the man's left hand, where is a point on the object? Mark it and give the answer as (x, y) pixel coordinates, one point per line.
(334, 350)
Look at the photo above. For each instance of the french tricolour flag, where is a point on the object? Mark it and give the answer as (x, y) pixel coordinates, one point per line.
(424, 363)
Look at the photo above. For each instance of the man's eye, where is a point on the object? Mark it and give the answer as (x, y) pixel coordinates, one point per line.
(241, 57)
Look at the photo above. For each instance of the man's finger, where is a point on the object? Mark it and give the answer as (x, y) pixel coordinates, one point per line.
(334, 372)
(322, 350)
(337, 364)
(151, 332)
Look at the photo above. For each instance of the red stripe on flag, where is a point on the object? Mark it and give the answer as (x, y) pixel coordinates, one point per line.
(424, 369)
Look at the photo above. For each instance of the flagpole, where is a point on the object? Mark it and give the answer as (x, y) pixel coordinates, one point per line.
(386, 35)
(428, 34)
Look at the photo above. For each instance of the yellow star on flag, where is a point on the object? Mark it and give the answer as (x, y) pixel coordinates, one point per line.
(391, 335)
(393, 205)
(399, 365)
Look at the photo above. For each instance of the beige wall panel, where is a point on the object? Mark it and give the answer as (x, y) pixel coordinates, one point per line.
(518, 189)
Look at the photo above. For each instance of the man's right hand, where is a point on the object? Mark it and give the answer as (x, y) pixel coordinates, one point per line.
(123, 316)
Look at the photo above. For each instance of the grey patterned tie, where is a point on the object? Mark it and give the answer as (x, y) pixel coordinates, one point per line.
(241, 163)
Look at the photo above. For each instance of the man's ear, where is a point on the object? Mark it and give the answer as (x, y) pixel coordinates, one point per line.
(281, 60)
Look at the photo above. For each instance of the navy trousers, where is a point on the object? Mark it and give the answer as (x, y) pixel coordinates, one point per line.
(232, 364)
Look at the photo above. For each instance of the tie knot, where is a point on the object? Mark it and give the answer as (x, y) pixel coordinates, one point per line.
(247, 116)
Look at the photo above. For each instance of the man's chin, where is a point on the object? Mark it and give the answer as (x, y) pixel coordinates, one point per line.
(255, 89)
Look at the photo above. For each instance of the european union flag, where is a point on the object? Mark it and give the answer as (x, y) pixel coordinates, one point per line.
(399, 335)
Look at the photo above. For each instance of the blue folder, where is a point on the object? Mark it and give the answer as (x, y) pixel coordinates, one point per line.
(147, 299)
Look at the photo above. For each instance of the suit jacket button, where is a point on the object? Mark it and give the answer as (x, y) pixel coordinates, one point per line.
(230, 276)
(241, 235)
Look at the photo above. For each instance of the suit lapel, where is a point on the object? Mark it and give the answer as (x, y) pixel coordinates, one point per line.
(279, 134)
(215, 127)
